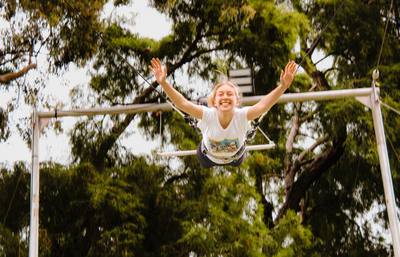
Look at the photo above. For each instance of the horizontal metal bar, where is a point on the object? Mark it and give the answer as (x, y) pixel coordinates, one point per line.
(178, 153)
(134, 108)
(313, 96)
(259, 147)
(193, 152)
(251, 100)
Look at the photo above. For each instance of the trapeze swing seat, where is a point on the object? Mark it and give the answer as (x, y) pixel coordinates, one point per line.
(193, 152)
(203, 101)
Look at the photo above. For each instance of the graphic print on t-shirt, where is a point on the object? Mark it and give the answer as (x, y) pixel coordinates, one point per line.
(223, 146)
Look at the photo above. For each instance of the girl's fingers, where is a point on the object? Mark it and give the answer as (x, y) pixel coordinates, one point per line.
(293, 68)
(159, 62)
(156, 64)
(153, 63)
(290, 68)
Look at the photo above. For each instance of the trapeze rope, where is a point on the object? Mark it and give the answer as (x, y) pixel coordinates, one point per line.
(387, 135)
(9, 207)
(384, 35)
(262, 132)
(394, 150)
(319, 37)
(377, 68)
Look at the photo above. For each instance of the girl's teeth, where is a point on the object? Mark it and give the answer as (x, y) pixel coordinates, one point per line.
(225, 104)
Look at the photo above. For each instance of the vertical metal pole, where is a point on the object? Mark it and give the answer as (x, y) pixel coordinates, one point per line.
(385, 166)
(34, 226)
(160, 112)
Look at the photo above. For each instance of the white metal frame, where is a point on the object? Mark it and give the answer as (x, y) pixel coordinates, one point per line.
(368, 96)
(193, 152)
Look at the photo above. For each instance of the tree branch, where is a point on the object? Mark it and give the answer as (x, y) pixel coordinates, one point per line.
(326, 56)
(10, 60)
(330, 69)
(6, 78)
(189, 50)
(310, 115)
(176, 177)
(317, 143)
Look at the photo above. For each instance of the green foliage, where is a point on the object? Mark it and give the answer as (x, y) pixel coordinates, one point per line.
(143, 210)
(4, 129)
(291, 238)
(306, 197)
(262, 35)
(14, 213)
(33, 29)
(11, 244)
(227, 219)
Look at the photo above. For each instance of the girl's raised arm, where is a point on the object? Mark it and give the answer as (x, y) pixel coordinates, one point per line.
(160, 73)
(269, 100)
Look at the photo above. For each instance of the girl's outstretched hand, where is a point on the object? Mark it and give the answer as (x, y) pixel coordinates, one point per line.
(288, 76)
(159, 72)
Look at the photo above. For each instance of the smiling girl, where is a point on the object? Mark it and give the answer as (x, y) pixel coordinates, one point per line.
(223, 125)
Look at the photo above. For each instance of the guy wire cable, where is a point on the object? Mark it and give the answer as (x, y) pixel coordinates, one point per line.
(391, 108)
(319, 37)
(384, 35)
(115, 50)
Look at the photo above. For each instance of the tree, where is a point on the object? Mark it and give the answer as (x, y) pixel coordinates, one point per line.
(257, 35)
(132, 211)
(325, 167)
(32, 29)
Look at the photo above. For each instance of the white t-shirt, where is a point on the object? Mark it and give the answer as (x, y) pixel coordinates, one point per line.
(223, 142)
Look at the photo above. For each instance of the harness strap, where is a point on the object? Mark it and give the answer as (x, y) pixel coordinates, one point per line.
(192, 124)
(225, 159)
(252, 132)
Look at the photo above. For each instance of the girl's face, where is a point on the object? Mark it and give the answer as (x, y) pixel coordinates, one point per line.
(225, 98)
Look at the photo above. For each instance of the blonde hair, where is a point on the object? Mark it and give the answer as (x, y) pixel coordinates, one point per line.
(211, 97)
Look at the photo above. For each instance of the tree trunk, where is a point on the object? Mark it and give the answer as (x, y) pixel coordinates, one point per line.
(311, 173)
(289, 176)
(268, 207)
(320, 81)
